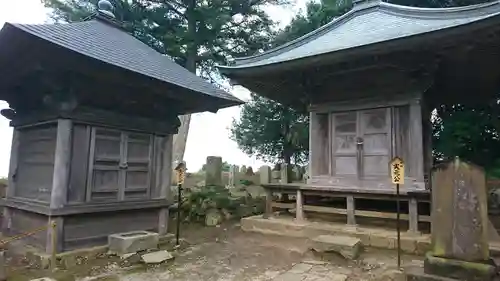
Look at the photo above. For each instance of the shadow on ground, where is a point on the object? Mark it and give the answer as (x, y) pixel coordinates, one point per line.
(226, 253)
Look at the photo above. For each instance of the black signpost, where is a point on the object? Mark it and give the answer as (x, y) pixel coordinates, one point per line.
(397, 177)
(180, 171)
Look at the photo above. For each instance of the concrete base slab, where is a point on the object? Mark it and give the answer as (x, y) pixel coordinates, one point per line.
(461, 270)
(131, 242)
(348, 247)
(3, 274)
(418, 274)
(369, 237)
(411, 243)
(156, 257)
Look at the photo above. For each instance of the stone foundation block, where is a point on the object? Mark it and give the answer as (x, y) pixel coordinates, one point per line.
(3, 274)
(348, 247)
(383, 242)
(461, 270)
(417, 274)
(423, 246)
(130, 242)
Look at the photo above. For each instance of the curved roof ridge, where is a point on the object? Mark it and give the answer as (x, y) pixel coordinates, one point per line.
(393, 9)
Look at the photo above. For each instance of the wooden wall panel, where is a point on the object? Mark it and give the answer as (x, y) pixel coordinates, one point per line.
(79, 163)
(23, 221)
(36, 162)
(93, 229)
(319, 135)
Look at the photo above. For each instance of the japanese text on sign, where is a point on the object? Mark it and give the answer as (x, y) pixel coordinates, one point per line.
(181, 173)
(397, 170)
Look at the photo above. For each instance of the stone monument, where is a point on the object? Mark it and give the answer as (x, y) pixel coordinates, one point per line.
(233, 171)
(213, 171)
(459, 224)
(265, 174)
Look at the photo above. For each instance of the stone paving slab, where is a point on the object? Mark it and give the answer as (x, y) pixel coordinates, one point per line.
(305, 271)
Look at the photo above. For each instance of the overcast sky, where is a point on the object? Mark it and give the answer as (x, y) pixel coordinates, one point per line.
(209, 133)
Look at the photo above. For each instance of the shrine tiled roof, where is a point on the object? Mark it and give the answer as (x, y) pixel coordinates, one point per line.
(369, 23)
(110, 44)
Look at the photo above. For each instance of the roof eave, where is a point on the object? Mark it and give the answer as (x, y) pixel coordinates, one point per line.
(484, 8)
(402, 43)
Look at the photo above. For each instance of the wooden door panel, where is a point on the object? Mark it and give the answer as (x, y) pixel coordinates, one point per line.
(138, 148)
(345, 165)
(107, 145)
(344, 154)
(375, 144)
(345, 144)
(376, 165)
(139, 155)
(375, 132)
(345, 123)
(374, 121)
(105, 180)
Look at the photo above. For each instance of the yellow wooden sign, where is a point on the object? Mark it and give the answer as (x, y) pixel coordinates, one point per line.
(397, 166)
(180, 173)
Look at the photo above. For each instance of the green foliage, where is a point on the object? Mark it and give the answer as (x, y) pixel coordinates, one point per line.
(470, 132)
(197, 34)
(3, 182)
(271, 131)
(246, 182)
(197, 203)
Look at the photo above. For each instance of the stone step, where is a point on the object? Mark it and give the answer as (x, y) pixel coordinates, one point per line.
(348, 247)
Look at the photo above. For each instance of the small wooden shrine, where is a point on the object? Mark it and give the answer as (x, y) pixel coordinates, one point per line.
(370, 80)
(94, 111)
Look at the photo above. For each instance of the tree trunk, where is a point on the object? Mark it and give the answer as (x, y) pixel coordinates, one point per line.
(180, 139)
(288, 158)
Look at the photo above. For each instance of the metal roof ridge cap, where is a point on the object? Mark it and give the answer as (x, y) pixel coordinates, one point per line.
(303, 39)
(419, 12)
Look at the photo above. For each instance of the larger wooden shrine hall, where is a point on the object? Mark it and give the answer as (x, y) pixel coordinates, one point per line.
(369, 80)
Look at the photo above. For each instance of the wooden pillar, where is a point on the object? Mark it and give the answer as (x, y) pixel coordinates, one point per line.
(62, 160)
(416, 141)
(6, 221)
(313, 129)
(14, 154)
(163, 178)
(164, 167)
(58, 231)
(351, 210)
(269, 203)
(413, 216)
(299, 206)
(11, 186)
(428, 146)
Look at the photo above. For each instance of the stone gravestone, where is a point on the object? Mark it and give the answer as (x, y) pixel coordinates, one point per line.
(286, 173)
(243, 169)
(233, 171)
(459, 223)
(297, 173)
(249, 171)
(213, 171)
(265, 174)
